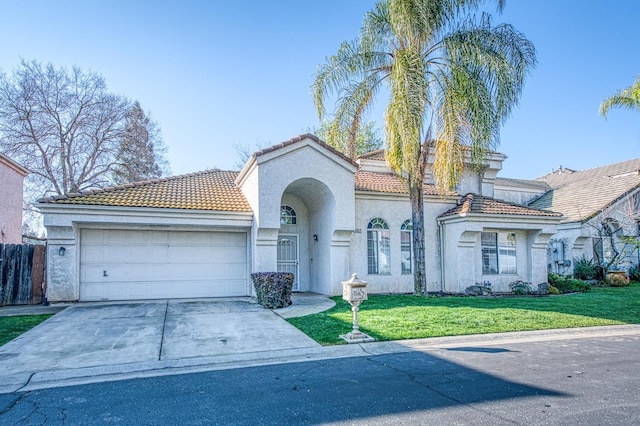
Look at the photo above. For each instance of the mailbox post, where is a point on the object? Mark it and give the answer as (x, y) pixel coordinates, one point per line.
(354, 291)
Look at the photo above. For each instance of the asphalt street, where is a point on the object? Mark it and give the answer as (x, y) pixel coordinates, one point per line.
(568, 381)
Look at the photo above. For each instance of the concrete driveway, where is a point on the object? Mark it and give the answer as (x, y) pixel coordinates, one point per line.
(111, 334)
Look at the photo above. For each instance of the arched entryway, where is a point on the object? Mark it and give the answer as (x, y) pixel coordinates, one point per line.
(307, 223)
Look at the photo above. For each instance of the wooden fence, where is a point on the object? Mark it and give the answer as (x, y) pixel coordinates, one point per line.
(22, 274)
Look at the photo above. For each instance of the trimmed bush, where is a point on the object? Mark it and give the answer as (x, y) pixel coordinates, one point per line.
(520, 287)
(553, 290)
(568, 285)
(273, 289)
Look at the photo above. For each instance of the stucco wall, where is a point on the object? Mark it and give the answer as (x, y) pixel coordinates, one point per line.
(395, 210)
(463, 252)
(11, 193)
(310, 175)
(64, 223)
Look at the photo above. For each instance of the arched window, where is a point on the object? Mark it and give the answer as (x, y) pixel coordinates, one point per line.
(287, 216)
(405, 246)
(378, 247)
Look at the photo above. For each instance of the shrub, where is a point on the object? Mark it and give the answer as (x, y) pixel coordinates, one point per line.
(568, 285)
(273, 289)
(617, 280)
(634, 273)
(584, 269)
(520, 287)
(478, 290)
(543, 288)
(553, 290)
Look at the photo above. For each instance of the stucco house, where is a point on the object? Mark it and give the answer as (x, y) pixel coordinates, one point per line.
(601, 215)
(298, 206)
(11, 194)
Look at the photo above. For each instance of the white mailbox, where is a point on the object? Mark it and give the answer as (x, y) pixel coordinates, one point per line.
(354, 291)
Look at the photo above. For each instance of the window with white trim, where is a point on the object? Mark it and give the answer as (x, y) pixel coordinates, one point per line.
(378, 247)
(405, 246)
(287, 216)
(498, 253)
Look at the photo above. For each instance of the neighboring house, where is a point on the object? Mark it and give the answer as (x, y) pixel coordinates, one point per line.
(600, 208)
(11, 194)
(298, 206)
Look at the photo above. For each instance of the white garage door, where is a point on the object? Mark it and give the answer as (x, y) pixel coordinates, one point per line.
(135, 265)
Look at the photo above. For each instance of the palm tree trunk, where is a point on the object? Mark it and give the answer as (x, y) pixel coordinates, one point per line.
(416, 199)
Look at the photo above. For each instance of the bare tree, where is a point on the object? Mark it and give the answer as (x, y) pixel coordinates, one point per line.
(63, 125)
(141, 153)
(615, 235)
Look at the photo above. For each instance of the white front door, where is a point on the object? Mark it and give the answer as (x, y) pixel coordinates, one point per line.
(288, 257)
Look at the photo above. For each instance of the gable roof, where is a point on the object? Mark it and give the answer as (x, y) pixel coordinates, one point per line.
(208, 190)
(300, 138)
(378, 154)
(522, 183)
(580, 195)
(388, 183)
(479, 204)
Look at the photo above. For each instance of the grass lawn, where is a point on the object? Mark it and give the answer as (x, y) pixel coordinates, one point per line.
(13, 326)
(397, 317)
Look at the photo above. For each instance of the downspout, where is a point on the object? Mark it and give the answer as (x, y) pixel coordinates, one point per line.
(442, 274)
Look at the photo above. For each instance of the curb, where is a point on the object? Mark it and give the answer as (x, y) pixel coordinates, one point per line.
(24, 382)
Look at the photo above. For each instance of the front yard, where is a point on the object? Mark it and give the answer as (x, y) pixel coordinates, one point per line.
(398, 317)
(13, 326)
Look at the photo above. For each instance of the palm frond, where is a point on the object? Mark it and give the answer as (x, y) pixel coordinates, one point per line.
(628, 98)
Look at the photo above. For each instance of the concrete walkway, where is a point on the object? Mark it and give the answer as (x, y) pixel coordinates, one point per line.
(95, 342)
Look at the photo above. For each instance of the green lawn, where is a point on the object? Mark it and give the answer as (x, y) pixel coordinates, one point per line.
(12, 327)
(397, 317)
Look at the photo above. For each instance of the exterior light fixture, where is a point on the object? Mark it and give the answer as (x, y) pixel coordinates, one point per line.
(61, 251)
(315, 237)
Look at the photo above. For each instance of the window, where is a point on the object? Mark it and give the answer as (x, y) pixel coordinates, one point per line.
(405, 246)
(498, 253)
(287, 215)
(378, 247)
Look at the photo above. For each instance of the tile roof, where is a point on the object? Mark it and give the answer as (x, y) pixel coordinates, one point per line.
(388, 182)
(580, 195)
(533, 184)
(378, 154)
(300, 138)
(478, 204)
(207, 190)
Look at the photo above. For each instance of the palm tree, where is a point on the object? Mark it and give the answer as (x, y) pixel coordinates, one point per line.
(453, 79)
(628, 98)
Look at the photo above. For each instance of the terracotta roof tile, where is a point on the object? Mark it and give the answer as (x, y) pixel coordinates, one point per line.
(300, 138)
(580, 195)
(373, 155)
(387, 182)
(207, 190)
(478, 204)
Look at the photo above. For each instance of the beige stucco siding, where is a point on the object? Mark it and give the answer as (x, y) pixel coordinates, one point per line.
(11, 193)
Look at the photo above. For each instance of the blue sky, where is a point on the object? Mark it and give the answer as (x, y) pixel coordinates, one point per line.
(215, 74)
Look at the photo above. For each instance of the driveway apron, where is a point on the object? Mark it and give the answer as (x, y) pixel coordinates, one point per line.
(104, 334)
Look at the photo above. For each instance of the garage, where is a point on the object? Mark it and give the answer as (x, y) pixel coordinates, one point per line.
(124, 264)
